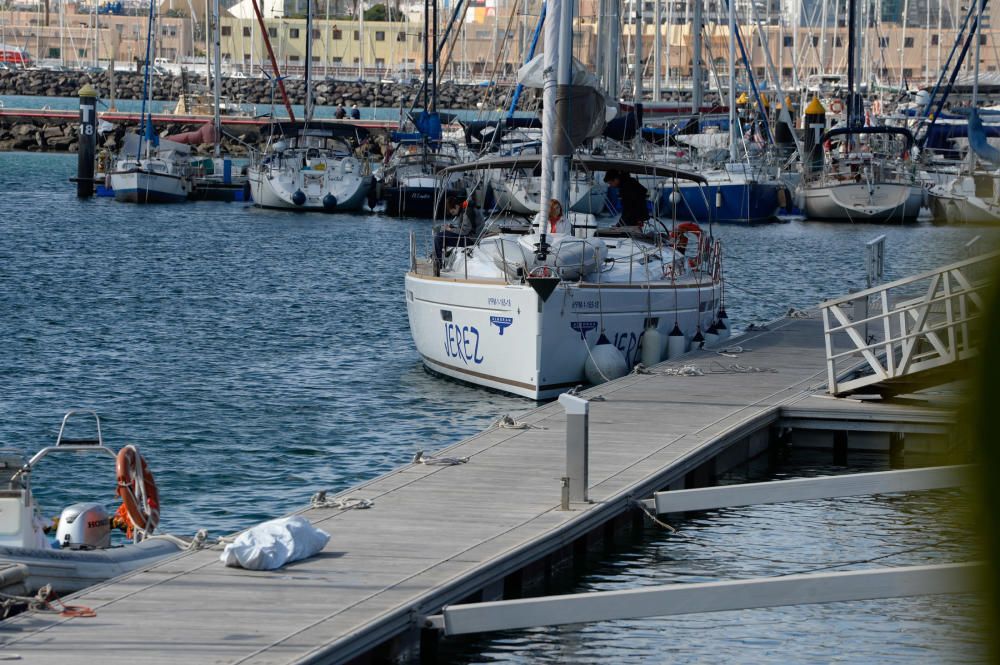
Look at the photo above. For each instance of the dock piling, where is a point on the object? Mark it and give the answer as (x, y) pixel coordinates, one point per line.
(576, 480)
(88, 142)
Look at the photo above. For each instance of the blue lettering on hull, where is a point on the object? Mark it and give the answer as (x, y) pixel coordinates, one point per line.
(462, 342)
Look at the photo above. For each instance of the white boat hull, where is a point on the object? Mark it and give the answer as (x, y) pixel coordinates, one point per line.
(857, 202)
(502, 336)
(967, 200)
(140, 186)
(276, 188)
(68, 570)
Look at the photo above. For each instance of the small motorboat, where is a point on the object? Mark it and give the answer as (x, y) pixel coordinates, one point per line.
(82, 552)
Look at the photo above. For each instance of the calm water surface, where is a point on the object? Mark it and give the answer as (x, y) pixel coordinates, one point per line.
(257, 357)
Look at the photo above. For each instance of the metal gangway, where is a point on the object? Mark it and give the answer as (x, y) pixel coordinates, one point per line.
(913, 333)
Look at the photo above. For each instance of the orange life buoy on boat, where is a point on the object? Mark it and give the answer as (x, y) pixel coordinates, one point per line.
(679, 235)
(836, 106)
(140, 507)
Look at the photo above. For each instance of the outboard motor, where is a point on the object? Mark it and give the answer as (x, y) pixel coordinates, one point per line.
(84, 526)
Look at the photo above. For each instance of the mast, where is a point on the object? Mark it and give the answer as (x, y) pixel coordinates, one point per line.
(614, 43)
(637, 67)
(549, 80)
(309, 51)
(361, 40)
(902, 47)
(434, 64)
(733, 153)
(657, 49)
(975, 75)
(851, 48)
(217, 84)
(822, 39)
(208, 48)
(696, 85)
(563, 152)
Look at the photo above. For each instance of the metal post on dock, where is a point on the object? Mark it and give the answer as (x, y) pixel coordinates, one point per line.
(576, 480)
(88, 142)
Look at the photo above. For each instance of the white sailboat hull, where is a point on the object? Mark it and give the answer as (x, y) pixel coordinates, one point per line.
(276, 188)
(502, 336)
(137, 185)
(857, 202)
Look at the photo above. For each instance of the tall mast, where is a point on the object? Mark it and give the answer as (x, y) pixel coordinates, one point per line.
(851, 48)
(434, 64)
(553, 9)
(361, 40)
(217, 84)
(733, 137)
(637, 68)
(657, 49)
(309, 51)
(975, 74)
(563, 152)
(822, 39)
(696, 87)
(614, 43)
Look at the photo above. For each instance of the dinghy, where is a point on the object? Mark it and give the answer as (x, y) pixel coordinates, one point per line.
(81, 553)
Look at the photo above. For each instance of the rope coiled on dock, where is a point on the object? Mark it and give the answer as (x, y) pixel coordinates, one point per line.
(507, 421)
(432, 460)
(319, 500)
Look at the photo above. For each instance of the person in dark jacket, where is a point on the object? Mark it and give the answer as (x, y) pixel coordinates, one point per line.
(341, 112)
(463, 227)
(633, 198)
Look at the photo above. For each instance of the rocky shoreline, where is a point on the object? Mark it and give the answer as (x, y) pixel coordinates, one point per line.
(328, 92)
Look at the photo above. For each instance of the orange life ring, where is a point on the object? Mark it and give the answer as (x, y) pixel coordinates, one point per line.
(140, 507)
(836, 106)
(679, 235)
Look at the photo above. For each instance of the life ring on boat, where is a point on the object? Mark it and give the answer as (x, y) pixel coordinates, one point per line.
(877, 107)
(140, 507)
(679, 235)
(836, 106)
(352, 162)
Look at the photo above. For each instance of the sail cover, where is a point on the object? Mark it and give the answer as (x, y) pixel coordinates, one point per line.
(978, 141)
(582, 107)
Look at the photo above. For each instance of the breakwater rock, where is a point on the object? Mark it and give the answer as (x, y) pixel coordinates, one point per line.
(328, 92)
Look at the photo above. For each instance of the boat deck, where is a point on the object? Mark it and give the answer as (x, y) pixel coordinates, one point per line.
(439, 535)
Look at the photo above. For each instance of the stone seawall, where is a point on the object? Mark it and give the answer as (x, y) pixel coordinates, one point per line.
(128, 85)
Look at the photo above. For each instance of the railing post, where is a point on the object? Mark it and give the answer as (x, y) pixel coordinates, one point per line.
(831, 364)
(576, 480)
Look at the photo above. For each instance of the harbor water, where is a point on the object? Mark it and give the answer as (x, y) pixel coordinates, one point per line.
(256, 357)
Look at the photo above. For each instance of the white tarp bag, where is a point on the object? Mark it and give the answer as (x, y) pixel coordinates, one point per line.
(272, 544)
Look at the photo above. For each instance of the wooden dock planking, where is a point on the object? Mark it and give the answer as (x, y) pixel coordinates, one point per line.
(436, 533)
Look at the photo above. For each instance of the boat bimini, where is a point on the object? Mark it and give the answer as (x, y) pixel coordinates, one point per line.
(535, 313)
(82, 553)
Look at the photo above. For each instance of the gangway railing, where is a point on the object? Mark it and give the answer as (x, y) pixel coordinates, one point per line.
(912, 325)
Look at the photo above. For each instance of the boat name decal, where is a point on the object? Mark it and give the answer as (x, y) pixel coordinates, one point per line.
(501, 322)
(494, 301)
(583, 327)
(628, 344)
(586, 304)
(462, 342)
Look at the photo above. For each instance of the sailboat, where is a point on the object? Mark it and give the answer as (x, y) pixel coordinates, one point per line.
(310, 167)
(866, 174)
(148, 169)
(537, 310)
(972, 197)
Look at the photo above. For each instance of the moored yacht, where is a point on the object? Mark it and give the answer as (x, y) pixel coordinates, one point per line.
(526, 311)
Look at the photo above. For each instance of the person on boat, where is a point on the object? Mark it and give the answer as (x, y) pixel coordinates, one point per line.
(341, 112)
(464, 225)
(355, 112)
(633, 198)
(557, 223)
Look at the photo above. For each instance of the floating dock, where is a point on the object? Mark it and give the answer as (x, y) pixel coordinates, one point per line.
(483, 530)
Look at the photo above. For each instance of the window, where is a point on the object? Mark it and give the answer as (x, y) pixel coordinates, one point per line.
(482, 34)
(380, 63)
(982, 40)
(53, 52)
(883, 42)
(272, 33)
(786, 41)
(315, 58)
(380, 35)
(293, 58)
(838, 41)
(81, 52)
(337, 60)
(907, 73)
(227, 31)
(338, 34)
(247, 32)
(246, 57)
(934, 40)
(815, 40)
(401, 37)
(760, 72)
(908, 42)
(316, 34)
(786, 72)
(293, 33)
(355, 61)
(357, 36)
